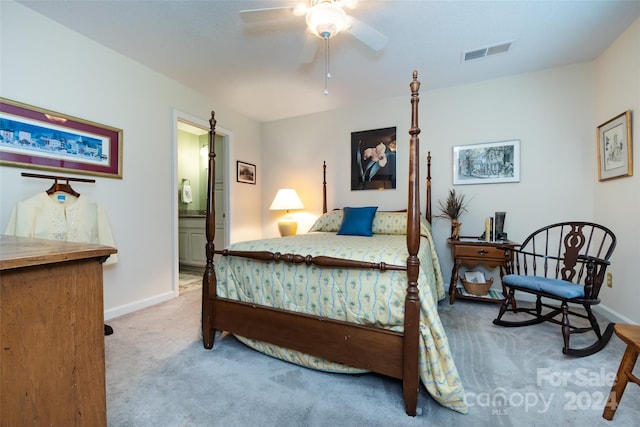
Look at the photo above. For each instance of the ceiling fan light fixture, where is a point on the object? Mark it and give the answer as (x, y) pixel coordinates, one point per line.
(326, 18)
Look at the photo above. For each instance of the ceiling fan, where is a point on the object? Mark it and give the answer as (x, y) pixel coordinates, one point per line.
(325, 19)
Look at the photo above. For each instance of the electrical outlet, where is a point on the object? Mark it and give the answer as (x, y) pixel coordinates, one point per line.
(609, 280)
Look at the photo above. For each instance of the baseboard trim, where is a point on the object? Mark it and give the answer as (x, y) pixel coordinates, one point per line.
(613, 316)
(601, 309)
(137, 305)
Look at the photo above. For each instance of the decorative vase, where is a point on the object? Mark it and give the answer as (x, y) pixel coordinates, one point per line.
(455, 229)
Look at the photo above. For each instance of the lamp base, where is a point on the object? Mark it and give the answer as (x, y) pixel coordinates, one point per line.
(287, 226)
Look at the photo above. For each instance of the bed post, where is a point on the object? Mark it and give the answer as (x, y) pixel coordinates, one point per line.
(428, 202)
(209, 278)
(324, 187)
(410, 375)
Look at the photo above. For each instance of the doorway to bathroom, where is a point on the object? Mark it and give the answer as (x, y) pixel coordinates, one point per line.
(191, 172)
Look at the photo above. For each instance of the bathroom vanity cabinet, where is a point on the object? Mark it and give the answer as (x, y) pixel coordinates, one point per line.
(192, 241)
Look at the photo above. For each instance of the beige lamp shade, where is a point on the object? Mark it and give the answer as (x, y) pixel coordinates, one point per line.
(287, 199)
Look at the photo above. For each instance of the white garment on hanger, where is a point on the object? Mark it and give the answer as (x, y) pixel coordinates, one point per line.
(61, 216)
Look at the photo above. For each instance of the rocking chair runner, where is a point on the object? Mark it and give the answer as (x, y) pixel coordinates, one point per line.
(565, 263)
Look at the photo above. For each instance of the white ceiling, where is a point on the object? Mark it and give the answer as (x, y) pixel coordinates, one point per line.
(254, 68)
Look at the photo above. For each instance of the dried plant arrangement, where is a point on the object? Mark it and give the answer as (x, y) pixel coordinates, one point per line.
(452, 209)
(454, 206)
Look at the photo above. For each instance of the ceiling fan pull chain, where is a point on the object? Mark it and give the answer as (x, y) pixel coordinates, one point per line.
(327, 72)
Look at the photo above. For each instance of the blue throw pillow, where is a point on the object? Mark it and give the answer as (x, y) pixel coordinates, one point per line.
(357, 221)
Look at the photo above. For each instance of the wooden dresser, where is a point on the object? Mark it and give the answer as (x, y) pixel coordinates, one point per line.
(52, 368)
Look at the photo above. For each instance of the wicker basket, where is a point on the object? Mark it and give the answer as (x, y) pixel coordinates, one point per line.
(477, 288)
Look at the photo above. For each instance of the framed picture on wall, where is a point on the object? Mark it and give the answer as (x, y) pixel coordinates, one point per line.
(32, 137)
(488, 163)
(615, 159)
(373, 159)
(245, 172)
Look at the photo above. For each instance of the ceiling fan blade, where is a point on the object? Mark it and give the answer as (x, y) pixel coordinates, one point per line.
(308, 52)
(252, 16)
(366, 34)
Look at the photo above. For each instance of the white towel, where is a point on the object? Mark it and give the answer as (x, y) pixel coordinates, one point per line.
(186, 194)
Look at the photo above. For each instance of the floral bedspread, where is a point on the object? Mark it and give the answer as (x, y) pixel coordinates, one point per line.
(366, 297)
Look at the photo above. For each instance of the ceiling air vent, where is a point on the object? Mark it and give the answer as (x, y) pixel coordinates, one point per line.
(485, 51)
(475, 54)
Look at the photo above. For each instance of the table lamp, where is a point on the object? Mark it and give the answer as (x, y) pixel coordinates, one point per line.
(287, 199)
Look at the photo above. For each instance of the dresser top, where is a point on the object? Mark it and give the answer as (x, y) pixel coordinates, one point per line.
(16, 252)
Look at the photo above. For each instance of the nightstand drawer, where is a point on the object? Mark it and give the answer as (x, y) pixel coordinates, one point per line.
(484, 252)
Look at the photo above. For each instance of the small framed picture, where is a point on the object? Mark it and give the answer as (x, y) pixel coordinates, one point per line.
(488, 163)
(615, 159)
(245, 172)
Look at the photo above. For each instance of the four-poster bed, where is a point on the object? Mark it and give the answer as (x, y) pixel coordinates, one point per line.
(337, 302)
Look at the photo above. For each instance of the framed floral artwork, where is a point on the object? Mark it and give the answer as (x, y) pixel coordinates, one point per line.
(615, 159)
(373, 159)
(36, 138)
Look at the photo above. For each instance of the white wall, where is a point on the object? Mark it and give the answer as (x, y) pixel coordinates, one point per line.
(550, 112)
(616, 202)
(46, 65)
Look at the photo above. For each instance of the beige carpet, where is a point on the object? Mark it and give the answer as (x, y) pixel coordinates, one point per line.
(158, 374)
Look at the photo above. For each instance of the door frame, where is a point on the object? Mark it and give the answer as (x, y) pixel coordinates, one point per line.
(180, 116)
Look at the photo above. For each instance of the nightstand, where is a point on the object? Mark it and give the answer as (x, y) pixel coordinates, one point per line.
(471, 252)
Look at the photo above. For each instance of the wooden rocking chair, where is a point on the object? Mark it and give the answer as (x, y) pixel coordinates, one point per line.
(562, 264)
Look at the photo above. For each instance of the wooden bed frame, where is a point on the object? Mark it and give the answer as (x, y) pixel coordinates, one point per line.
(386, 352)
